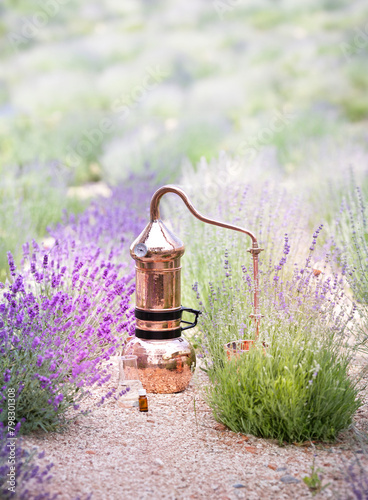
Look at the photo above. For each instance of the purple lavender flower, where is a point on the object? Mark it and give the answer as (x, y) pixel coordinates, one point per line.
(57, 329)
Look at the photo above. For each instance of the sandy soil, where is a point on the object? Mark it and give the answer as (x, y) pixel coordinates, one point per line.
(178, 451)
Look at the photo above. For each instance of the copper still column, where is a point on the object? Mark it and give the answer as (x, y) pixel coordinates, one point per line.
(165, 359)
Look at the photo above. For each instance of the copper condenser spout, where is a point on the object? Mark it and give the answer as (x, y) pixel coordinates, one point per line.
(165, 359)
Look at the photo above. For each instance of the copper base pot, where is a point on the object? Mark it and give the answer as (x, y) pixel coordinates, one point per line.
(164, 366)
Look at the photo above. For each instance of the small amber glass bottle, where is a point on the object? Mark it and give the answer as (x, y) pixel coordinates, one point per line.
(143, 403)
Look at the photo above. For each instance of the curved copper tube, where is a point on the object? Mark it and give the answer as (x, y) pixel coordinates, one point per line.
(254, 250)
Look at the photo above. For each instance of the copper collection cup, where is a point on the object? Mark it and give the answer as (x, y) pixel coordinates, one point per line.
(238, 347)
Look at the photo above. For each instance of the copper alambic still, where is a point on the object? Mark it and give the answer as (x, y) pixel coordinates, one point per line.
(166, 360)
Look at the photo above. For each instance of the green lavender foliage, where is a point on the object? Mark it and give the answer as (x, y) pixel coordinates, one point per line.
(351, 239)
(350, 245)
(291, 391)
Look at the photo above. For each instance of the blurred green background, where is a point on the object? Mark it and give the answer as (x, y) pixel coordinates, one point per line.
(91, 91)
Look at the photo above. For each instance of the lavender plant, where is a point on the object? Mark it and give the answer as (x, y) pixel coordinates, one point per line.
(22, 463)
(293, 303)
(54, 347)
(66, 312)
(350, 239)
(305, 328)
(297, 387)
(349, 243)
(357, 478)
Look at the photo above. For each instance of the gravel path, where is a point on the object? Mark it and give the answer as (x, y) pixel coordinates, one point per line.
(174, 452)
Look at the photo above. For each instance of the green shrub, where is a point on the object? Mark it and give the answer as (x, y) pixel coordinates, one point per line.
(297, 390)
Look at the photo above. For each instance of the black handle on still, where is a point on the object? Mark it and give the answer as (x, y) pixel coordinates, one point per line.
(193, 311)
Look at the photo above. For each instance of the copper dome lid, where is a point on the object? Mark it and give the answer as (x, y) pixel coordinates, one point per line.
(156, 243)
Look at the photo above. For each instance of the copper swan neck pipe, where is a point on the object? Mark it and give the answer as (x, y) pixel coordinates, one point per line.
(155, 211)
(255, 250)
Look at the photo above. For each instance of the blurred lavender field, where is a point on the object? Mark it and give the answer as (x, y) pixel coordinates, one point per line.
(174, 80)
(91, 92)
